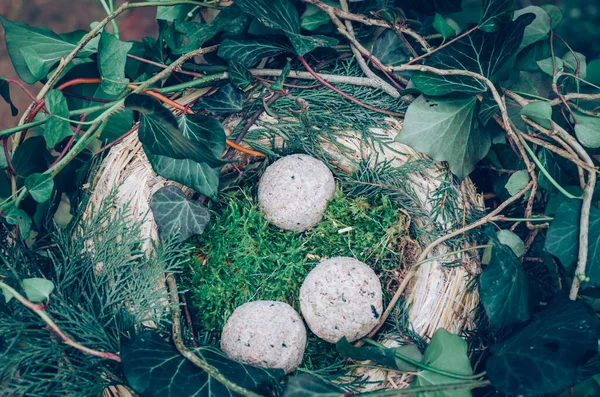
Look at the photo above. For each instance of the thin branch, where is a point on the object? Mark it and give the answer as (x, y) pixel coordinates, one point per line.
(41, 313)
(468, 32)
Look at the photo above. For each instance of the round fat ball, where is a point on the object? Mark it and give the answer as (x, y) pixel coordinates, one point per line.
(266, 334)
(293, 192)
(341, 297)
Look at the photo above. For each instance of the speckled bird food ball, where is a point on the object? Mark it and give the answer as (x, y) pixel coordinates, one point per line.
(294, 191)
(266, 334)
(341, 297)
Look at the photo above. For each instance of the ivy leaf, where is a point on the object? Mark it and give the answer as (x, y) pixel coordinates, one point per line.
(160, 133)
(539, 27)
(154, 368)
(529, 56)
(175, 215)
(540, 112)
(384, 356)
(3, 161)
(556, 169)
(488, 107)
(173, 13)
(285, 72)
(547, 65)
(562, 239)
(571, 61)
(443, 128)
(587, 130)
(19, 218)
(431, 7)
(543, 357)
(43, 47)
(227, 100)
(503, 287)
(305, 44)
(276, 14)
(555, 14)
(389, 49)
(57, 129)
(40, 187)
(112, 56)
(249, 52)
(37, 289)
(480, 52)
(496, 14)
(5, 93)
(30, 157)
(508, 238)
(447, 352)
(304, 385)
(443, 27)
(517, 182)
(313, 17)
(239, 75)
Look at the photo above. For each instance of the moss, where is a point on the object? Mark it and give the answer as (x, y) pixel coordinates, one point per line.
(240, 257)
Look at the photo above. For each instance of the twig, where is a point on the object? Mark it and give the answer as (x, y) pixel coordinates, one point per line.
(193, 358)
(468, 32)
(70, 143)
(41, 313)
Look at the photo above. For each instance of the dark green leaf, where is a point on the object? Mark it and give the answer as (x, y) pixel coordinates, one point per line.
(389, 49)
(540, 112)
(488, 107)
(542, 358)
(193, 35)
(276, 14)
(249, 52)
(175, 215)
(227, 100)
(40, 187)
(496, 14)
(384, 356)
(587, 130)
(574, 61)
(443, 128)
(57, 129)
(503, 287)
(528, 57)
(555, 14)
(160, 134)
(239, 75)
(538, 29)
(305, 44)
(562, 239)
(112, 56)
(5, 94)
(431, 7)
(313, 17)
(278, 83)
(304, 385)
(5, 189)
(531, 83)
(30, 157)
(154, 368)
(550, 162)
(480, 52)
(19, 218)
(173, 13)
(442, 27)
(43, 47)
(447, 352)
(37, 289)
(547, 65)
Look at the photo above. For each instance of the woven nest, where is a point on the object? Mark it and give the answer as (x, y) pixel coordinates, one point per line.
(438, 296)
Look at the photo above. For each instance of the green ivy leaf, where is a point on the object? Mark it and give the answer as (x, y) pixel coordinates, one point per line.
(556, 170)
(305, 44)
(447, 352)
(487, 108)
(37, 289)
(3, 162)
(543, 357)
(276, 14)
(249, 52)
(173, 13)
(154, 368)
(5, 94)
(30, 157)
(57, 129)
(383, 356)
(19, 218)
(227, 100)
(484, 53)
(278, 83)
(547, 65)
(496, 14)
(555, 14)
(112, 56)
(160, 133)
(538, 29)
(239, 75)
(175, 215)
(540, 112)
(443, 128)
(304, 385)
(570, 61)
(562, 239)
(505, 237)
(529, 56)
(443, 27)
(517, 182)
(503, 287)
(40, 187)
(587, 130)
(43, 47)
(389, 49)
(313, 17)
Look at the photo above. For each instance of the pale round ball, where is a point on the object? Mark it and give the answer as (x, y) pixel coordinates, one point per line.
(265, 334)
(341, 297)
(294, 191)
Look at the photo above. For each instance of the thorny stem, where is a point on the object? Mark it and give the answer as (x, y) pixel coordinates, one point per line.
(41, 313)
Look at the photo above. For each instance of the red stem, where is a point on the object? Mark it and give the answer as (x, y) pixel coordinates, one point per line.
(11, 169)
(70, 143)
(29, 94)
